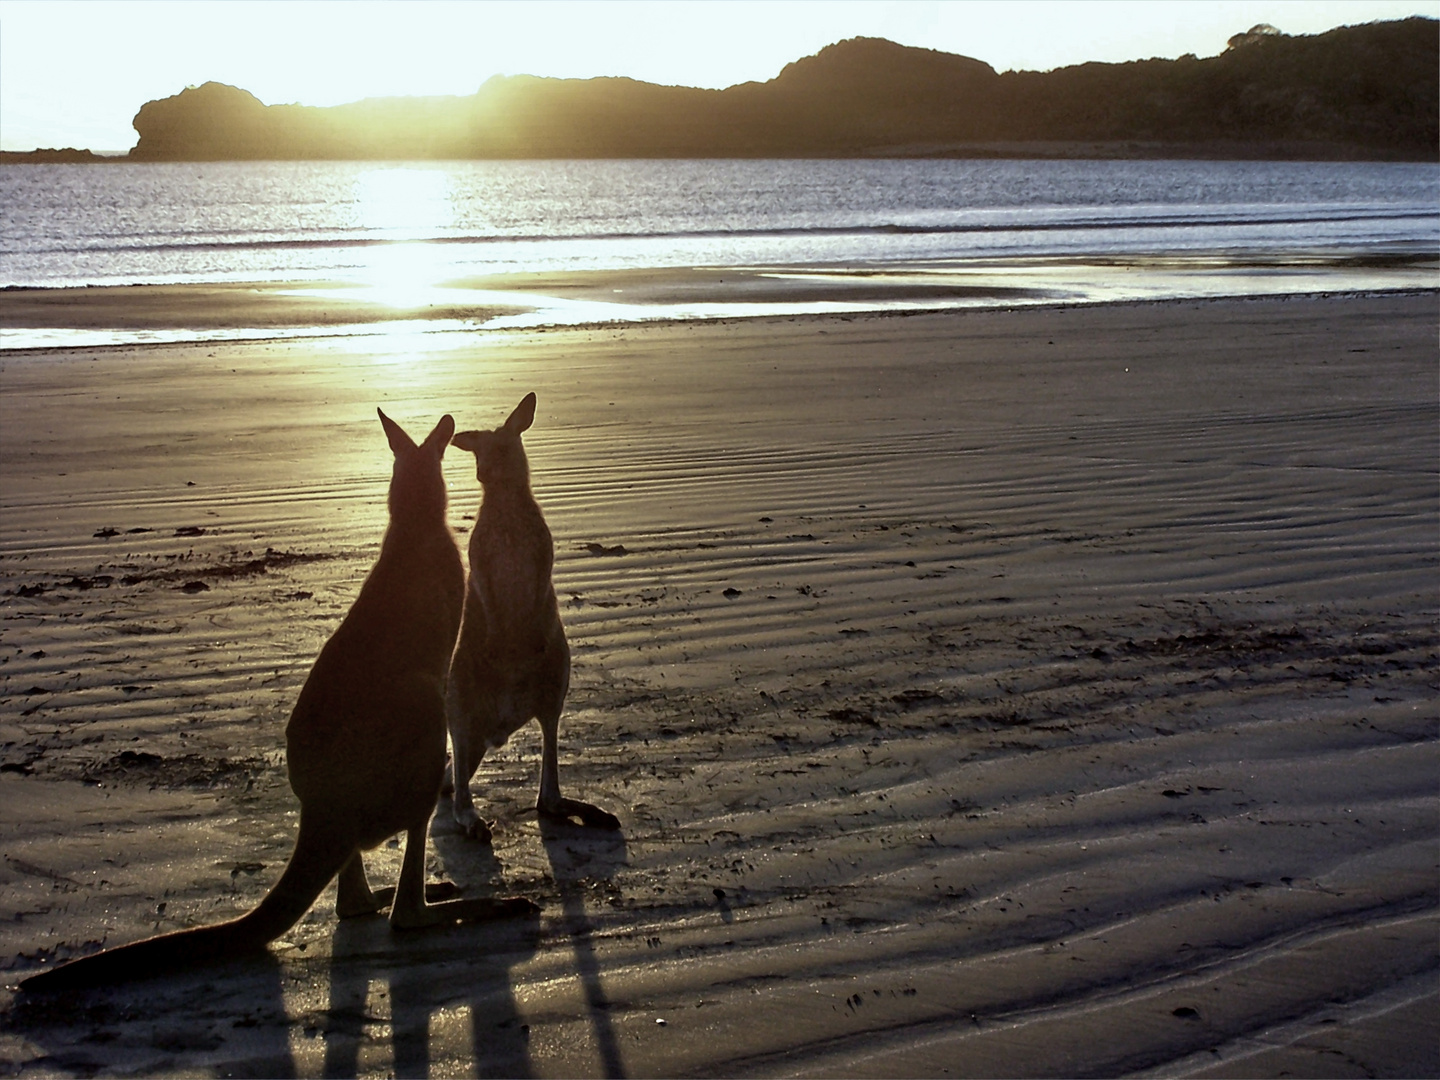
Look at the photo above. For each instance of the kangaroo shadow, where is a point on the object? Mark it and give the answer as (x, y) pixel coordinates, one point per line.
(435, 981)
(581, 858)
(227, 1018)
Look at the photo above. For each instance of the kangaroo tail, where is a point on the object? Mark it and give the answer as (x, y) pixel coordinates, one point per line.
(314, 863)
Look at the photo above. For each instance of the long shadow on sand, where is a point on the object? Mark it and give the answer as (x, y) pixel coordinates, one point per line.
(581, 858)
(432, 979)
(447, 995)
(229, 1019)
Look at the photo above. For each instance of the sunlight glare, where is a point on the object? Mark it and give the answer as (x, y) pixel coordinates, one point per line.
(406, 210)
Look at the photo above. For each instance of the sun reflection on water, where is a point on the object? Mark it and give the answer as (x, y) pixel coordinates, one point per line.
(406, 208)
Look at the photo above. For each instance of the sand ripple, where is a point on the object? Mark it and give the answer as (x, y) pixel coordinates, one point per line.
(955, 724)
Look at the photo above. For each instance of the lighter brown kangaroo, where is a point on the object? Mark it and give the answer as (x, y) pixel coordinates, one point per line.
(512, 662)
(365, 744)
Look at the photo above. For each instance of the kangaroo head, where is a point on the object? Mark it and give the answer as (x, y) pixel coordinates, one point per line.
(499, 454)
(417, 486)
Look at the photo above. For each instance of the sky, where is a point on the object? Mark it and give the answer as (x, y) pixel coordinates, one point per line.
(75, 72)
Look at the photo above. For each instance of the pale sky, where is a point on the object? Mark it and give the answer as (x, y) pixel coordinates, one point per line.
(75, 72)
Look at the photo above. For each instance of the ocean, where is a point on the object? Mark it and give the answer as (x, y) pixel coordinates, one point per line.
(1061, 231)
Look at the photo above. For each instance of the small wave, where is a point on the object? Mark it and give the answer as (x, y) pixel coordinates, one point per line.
(251, 242)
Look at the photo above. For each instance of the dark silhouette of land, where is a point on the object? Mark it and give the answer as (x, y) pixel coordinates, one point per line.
(50, 156)
(1362, 92)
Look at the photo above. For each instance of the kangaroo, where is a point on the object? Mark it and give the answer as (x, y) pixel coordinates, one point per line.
(365, 744)
(512, 662)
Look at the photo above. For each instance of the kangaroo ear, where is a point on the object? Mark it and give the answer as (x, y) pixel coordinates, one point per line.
(523, 416)
(398, 439)
(440, 437)
(467, 440)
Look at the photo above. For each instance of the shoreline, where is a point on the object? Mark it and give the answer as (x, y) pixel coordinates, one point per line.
(1302, 150)
(99, 316)
(1012, 691)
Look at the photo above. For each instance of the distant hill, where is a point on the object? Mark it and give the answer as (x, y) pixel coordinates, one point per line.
(1356, 92)
(47, 156)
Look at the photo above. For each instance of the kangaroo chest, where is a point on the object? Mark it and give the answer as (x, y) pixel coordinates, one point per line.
(511, 558)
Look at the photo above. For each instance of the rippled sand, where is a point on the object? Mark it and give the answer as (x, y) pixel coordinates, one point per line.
(998, 693)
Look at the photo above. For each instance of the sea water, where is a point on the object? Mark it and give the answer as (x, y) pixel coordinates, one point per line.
(1176, 227)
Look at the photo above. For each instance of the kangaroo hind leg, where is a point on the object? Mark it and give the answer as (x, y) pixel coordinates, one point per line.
(465, 759)
(356, 897)
(551, 804)
(353, 894)
(411, 910)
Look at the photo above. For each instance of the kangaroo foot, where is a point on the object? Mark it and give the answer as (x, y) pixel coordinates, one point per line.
(477, 910)
(435, 891)
(353, 906)
(383, 897)
(571, 809)
(353, 896)
(472, 824)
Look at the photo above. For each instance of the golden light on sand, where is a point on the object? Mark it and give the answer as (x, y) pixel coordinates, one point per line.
(404, 209)
(1110, 684)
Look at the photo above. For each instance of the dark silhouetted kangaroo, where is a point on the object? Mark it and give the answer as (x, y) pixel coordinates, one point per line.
(512, 662)
(365, 744)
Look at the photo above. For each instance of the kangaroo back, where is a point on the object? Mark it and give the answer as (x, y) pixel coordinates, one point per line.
(368, 729)
(511, 550)
(366, 740)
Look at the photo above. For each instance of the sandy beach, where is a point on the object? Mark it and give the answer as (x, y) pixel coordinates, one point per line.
(986, 693)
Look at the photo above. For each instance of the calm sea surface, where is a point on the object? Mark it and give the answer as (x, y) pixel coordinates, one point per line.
(1239, 227)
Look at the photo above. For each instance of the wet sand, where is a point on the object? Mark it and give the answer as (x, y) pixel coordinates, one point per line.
(220, 306)
(477, 300)
(987, 693)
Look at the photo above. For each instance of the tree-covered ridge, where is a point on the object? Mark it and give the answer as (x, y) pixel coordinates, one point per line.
(1356, 92)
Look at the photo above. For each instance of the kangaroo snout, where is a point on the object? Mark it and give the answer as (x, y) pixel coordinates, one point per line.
(499, 454)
